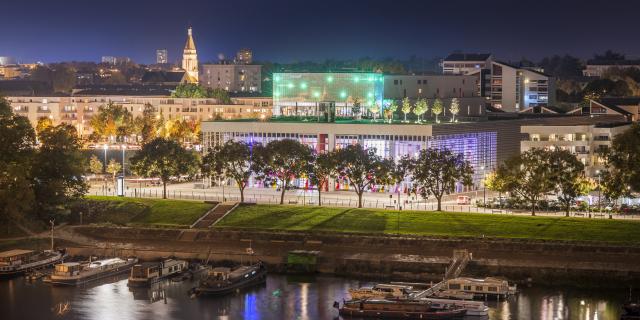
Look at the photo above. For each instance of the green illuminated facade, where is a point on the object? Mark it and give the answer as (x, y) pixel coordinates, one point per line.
(301, 93)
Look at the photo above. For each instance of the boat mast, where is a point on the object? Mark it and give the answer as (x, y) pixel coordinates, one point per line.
(52, 221)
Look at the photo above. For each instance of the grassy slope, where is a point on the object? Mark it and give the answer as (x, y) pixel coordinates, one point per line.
(161, 212)
(432, 223)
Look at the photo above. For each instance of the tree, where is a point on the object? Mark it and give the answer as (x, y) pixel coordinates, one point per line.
(420, 109)
(527, 176)
(282, 161)
(454, 108)
(219, 94)
(567, 175)
(609, 55)
(189, 90)
(164, 159)
(146, 124)
(43, 123)
(355, 109)
(406, 107)
(437, 108)
(58, 170)
(112, 121)
(375, 108)
(320, 170)
(494, 182)
(17, 140)
(436, 172)
(362, 168)
(388, 112)
(95, 165)
(232, 160)
(623, 158)
(114, 167)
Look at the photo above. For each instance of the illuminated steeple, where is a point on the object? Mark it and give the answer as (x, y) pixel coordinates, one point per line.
(190, 59)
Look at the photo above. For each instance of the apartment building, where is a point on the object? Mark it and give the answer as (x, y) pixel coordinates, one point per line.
(586, 141)
(597, 68)
(77, 111)
(507, 87)
(232, 77)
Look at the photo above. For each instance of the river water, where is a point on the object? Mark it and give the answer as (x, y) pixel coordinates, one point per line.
(283, 297)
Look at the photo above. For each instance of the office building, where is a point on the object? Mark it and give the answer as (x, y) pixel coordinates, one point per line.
(7, 61)
(237, 78)
(190, 58)
(162, 56)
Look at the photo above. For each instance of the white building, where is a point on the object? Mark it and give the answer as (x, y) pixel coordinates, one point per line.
(509, 88)
(162, 56)
(597, 68)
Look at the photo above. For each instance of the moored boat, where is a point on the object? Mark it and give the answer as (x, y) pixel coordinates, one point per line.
(220, 281)
(398, 309)
(474, 308)
(481, 288)
(381, 290)
(18, 261)
(76, 273)
(145, 274)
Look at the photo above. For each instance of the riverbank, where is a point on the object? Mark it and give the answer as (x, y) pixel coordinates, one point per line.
(411, 258)
(429, 223)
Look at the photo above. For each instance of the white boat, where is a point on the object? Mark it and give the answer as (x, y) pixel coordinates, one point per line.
(381, 291)
(18, 261)
(75, 273)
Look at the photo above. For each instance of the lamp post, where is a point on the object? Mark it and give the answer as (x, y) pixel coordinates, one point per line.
(484, 187)
(104, 165)
(599, 191)
(124, 147)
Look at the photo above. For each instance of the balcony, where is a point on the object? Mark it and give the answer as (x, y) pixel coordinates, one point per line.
(43, 110)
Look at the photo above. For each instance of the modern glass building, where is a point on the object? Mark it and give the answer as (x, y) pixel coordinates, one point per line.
(303, 94)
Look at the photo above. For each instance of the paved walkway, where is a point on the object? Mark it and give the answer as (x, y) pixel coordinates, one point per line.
(346, 199)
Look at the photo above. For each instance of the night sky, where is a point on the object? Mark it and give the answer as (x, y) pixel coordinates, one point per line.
(286, 31)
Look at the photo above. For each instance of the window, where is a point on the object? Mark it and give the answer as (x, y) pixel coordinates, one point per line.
(533, 97)
(497, 70)
(419, 81)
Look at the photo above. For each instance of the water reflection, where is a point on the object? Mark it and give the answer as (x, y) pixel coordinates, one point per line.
(281, 298)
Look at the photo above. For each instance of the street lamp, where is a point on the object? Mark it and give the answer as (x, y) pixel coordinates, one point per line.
(124, 147)
(484, 187)
(104, 165)
(599, 191)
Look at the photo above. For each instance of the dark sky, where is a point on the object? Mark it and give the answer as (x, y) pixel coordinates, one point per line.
(284, 31)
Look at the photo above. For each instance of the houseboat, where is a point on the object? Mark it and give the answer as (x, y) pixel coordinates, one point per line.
(220, 281)
(398, 309)
(381, 291)
(18, 261)
(481, 288)
(76, 273)
(145, 274)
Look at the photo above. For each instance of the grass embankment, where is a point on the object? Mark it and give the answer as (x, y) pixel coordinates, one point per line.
(448, 224)
(136, 211)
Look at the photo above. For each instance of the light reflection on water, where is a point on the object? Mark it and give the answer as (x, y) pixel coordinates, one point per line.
(280, 298)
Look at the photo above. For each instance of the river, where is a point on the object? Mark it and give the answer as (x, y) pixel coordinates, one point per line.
(283, 297)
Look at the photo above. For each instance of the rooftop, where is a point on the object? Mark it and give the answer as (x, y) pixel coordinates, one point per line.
(14, 252)
(468, 57)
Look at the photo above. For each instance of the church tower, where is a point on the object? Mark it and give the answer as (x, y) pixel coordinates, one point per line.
(190, 59)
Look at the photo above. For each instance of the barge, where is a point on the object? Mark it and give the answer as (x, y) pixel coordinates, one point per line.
(76, 273)
(18, 261)
(398, 309)
(221, 281)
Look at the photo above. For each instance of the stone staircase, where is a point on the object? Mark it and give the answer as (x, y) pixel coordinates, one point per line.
(214, 215)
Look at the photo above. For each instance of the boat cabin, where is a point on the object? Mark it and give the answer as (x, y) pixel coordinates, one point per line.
(15, 257)
(491, 286)
(219, 273)
(171, 266)
(145, 270)
(67, 269)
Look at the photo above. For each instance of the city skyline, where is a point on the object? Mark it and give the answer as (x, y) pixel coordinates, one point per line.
(335, 30)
